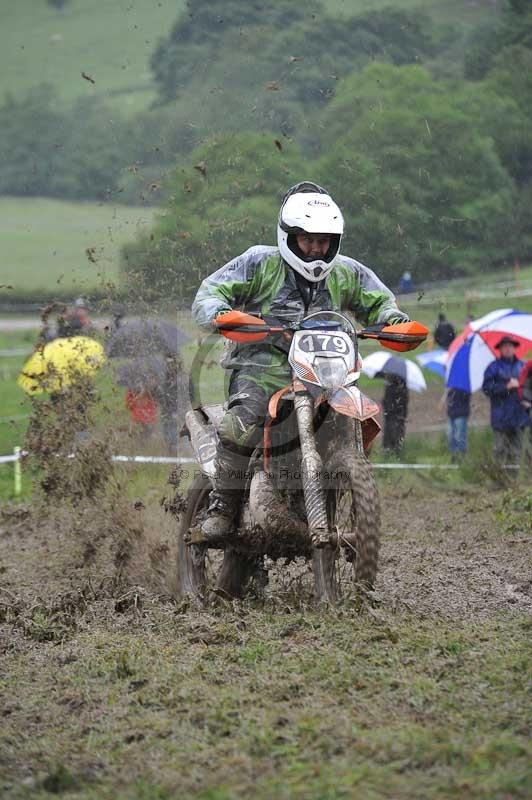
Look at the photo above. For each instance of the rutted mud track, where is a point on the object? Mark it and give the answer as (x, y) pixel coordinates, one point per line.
(453, 554)
(458, 555)
(112, 688)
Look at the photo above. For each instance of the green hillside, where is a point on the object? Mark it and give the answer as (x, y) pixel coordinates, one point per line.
(415, 115)
(112, 42)
(460, 12)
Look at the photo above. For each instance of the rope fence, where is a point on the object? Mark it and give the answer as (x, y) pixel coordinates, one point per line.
(18, 454)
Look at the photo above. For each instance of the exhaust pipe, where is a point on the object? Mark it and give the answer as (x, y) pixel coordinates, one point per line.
(203, 439)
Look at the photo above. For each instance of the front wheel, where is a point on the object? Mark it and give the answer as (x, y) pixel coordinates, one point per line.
(353, 514)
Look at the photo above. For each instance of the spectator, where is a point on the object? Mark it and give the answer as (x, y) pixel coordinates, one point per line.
(73, 321)
(150, 361)
(153, 392)
(508, 417)
(394, 412)
(525, 385)
(444, 332)
(525, 395)
(143, 410)
(76, 320)
(405, 282)
(458, 409)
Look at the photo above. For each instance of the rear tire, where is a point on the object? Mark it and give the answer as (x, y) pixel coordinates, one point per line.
(206, 573)
(352, 509)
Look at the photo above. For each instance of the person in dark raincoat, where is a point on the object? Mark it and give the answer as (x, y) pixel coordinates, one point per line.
(444, 332)
(508, 416)
(458, 409)
(394, 413)
(405, 282)
(151, 365)
(73, 320)
(525, 396)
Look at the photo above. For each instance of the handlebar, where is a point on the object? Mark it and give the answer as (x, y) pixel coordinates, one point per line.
(245, 328)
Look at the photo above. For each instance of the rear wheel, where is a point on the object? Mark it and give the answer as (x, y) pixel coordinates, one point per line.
(206, 572)
(353, 514)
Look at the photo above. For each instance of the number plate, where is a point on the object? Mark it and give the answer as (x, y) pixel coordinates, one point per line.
(333, 344)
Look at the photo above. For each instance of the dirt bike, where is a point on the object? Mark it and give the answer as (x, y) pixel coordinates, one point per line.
(309, 487)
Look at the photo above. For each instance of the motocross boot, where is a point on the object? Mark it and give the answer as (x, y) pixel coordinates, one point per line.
(225, 497)
(238, 432)
(220, 520)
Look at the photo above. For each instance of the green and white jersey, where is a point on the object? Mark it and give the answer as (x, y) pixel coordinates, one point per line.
(260, 282)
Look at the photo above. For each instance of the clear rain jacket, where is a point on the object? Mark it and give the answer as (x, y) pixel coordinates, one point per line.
(260, 282)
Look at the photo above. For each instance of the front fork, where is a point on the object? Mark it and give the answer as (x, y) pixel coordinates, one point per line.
(311, 467)
(358, 436)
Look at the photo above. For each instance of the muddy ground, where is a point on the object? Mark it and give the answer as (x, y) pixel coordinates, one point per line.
(111, 686)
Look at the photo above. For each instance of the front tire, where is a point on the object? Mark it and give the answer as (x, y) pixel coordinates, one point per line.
(353, 513)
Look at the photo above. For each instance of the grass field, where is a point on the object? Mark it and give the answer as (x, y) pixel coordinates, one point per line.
(45, 243)
(476, 295)
(45, 246)
(112, 42)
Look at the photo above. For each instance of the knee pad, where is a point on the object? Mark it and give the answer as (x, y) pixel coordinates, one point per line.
(240, 428)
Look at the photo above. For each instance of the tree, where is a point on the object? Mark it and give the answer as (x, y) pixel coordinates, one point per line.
(33, 134)
(225, 199)
(502, 106)
(100, 147)
(51, 150)
(514, 28)
(202, 30)
(422, 186)
(239, 66)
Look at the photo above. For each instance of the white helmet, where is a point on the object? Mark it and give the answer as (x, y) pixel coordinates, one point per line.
(307, 208)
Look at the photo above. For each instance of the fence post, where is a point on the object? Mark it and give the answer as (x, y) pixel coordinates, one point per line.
(517, 273)
(18, 472)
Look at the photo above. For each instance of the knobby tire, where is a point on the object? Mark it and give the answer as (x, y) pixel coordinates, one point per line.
(362, 518)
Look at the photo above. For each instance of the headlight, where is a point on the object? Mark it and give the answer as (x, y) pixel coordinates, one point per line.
(331, 372)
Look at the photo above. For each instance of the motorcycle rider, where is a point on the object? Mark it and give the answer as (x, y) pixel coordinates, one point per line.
(305, 273)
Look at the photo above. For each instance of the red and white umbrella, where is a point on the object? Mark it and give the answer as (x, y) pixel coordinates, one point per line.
(475, 348)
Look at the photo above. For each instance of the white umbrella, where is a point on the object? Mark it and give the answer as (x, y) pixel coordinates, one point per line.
(392, 365)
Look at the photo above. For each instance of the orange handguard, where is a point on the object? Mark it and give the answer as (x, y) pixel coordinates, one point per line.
(240, 327)
(414, 334)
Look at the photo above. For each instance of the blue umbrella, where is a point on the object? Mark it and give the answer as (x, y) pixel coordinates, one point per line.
(434, 360)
